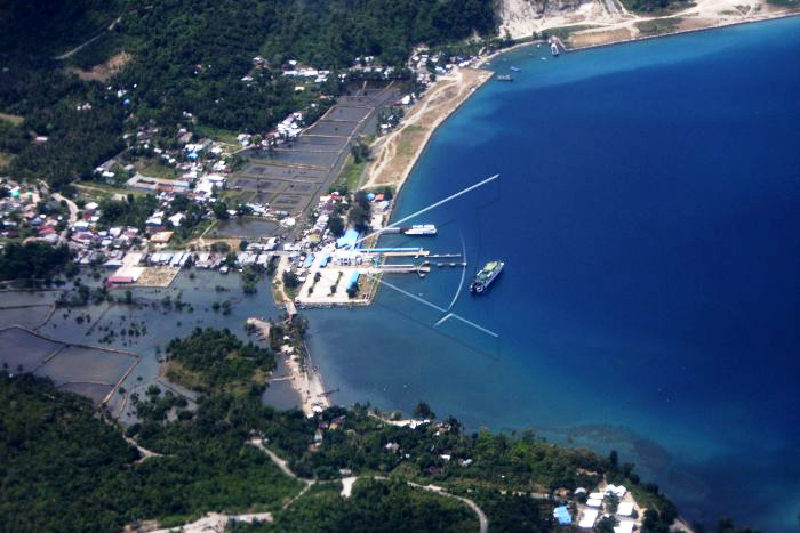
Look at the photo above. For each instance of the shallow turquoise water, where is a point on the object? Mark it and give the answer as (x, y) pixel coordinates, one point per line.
(648, 215)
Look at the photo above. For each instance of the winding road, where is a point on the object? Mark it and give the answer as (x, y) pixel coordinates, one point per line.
(283, 465)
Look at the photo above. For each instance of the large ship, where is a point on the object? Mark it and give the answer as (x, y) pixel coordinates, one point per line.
(420, 229)
(486, 276)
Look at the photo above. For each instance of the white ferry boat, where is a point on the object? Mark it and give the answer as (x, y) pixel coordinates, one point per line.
(486, 276)
(421, 229)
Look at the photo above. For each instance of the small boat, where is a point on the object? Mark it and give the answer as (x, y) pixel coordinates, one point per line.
(516, 69)
(554, 49)
(420, 229)
(504, 77)
(486, 276)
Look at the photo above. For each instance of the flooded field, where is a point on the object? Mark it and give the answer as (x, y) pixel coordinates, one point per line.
(196, 299)
(247, 228)
(27, 317)
(333, 128)
(20, 347)
(90, 371)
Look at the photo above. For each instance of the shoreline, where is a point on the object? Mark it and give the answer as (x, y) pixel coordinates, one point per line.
(479, 66)
(482, 66)
(484, 76)
(671, 33)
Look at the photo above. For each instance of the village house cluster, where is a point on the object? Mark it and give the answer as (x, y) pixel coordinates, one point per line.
(23, 213)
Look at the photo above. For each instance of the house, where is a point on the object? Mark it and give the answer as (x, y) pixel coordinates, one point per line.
(162, 237)
(120, 280)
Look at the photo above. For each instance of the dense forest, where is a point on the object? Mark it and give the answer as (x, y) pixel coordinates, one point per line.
(374, 506)
(33, 261)
(213, 360)
(59, 453)
(65, 469)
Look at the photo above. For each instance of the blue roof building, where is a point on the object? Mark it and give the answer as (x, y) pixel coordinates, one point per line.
(349, 240)
(562, 515)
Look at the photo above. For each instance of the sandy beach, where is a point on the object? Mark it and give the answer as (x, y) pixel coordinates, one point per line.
(305, 379)
(396, 154)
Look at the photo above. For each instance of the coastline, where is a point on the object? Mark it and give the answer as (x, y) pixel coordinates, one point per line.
(782, 15)
(484, 60)
(441, 100)
(383, 145)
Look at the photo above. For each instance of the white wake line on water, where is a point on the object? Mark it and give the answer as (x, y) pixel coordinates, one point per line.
(437, 307)
(434, 205)
(463, 275)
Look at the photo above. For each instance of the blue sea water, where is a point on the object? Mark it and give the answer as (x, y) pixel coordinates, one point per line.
(648, 212)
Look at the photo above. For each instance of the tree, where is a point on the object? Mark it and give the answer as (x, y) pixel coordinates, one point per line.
(423, 410)
(613, 459)
(336, 225)
(612, 503)
(606, 525)
(221, 211)
(290, 280)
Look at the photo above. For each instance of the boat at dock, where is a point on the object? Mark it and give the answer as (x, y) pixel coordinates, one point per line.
(554, 49)
(420, 229)
(486, 276)
(504, 77)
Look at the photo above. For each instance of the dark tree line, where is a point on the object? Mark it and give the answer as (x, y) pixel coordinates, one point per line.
(33, 260)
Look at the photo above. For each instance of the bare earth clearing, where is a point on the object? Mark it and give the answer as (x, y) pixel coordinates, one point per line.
(613, 23)
(104, 71)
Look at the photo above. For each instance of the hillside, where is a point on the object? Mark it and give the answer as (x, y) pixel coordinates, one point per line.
(160, 63)
(604, 21)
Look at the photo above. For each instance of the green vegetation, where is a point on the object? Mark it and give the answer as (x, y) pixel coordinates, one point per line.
(350, 175)
(375, 506)
(13, 137)
(659, 26)
(336, 225)
(564, 32)
(334, 32)
(360, 214)
(65, 469)
(191, 57)
(60, 455)
(214, 360)
(131, 212)
(657, 7)
(249, 277)
(52, 26)
(33, 261)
